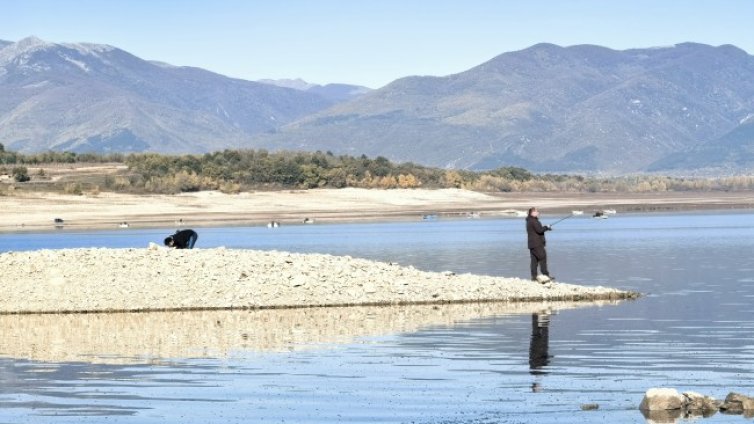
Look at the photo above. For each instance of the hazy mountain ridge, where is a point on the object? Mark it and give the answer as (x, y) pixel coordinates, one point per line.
(550, 108)
(89, 97)
(336, 93)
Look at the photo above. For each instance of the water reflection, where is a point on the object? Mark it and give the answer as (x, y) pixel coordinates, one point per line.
(679, 415)
(539, 355)
(540, 335)
(150, 337)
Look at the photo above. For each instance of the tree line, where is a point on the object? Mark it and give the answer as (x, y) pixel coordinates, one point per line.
(242, 170)
(8, 157)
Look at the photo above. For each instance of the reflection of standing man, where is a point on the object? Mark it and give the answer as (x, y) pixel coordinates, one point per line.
(540, 339)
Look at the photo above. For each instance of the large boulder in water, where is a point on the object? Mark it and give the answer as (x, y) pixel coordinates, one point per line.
(736, 403)
(662, 399)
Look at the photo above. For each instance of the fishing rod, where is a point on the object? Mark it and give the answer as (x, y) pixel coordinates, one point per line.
(561, 219)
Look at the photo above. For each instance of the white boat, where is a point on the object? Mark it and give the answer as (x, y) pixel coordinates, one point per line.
(610, 211)
(577, 212)
(123, 224)
(273, 224)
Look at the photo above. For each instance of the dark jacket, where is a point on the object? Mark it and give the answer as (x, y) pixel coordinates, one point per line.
(536, 232)
(181, 238)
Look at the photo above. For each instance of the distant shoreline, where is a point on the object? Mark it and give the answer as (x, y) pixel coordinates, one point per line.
(35, 212)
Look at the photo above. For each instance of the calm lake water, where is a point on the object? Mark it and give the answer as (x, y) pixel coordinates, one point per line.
(692, 331)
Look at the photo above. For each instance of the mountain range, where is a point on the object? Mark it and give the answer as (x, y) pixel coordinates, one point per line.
(91, 97)
(547, 108)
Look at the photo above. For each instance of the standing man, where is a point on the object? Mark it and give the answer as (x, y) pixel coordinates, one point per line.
(536, 234)
(183, 239)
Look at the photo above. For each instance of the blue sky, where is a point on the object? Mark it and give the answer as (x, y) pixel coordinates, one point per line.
(368, 42)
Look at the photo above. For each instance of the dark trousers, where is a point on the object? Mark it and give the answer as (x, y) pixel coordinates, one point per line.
(191, 241)
(538, 258)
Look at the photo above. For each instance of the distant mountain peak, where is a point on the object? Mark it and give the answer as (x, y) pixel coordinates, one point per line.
(35, 43)
(296, 83)
(32, 42)
(545, 46)
(334, 92)
(22, 47)
(21, 52)
(90, 48)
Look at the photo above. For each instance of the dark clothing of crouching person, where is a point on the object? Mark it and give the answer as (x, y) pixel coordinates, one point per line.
(536, 234)
(184, 239)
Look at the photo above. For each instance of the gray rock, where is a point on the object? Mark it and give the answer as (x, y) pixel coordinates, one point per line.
(696, 402)
(737, 403)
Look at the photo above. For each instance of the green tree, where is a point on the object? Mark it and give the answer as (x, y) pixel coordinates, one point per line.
(21, 174)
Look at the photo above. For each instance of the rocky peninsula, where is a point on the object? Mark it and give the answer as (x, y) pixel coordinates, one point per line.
(159, 279)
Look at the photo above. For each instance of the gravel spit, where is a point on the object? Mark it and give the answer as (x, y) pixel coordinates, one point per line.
(158, 279)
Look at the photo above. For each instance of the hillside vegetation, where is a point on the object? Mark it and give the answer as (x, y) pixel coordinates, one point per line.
(233, 171)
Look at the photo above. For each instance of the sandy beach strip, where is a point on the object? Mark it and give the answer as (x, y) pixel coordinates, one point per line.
(37, 211)
(159, 279)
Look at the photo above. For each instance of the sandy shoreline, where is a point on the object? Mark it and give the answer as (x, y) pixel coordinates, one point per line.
(36, 211)
(134, 280)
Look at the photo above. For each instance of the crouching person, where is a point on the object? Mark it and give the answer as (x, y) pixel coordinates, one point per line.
(183, 239)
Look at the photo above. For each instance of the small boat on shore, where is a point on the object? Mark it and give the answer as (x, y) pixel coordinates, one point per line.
(577, 212)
